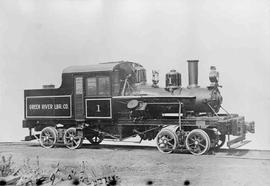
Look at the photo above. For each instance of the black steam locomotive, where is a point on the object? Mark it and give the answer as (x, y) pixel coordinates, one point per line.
(113, 101)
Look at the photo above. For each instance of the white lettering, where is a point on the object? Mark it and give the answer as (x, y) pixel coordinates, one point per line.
(98, 108)
(57, 106)
(50, 106)
(65, 106)
(47, 106)
(34, 106)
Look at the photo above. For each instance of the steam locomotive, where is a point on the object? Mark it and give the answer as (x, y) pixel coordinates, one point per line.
(113, 101)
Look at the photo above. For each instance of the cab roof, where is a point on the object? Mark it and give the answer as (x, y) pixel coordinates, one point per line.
(101, 67)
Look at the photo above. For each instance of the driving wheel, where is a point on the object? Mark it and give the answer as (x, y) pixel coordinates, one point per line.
(197, 142)
(166, 141)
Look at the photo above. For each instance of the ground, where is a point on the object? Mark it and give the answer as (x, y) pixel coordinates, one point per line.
(145, 165)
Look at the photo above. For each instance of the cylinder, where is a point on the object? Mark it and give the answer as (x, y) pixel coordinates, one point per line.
(192, 73)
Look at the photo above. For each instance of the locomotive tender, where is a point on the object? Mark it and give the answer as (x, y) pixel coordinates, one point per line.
(113, 101)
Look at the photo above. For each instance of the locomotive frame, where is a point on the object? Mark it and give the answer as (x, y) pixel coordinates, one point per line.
(112, 101)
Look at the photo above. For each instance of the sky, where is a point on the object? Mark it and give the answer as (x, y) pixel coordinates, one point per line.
(38, 39)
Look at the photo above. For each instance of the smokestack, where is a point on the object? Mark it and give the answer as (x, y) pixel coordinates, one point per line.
(192, 73)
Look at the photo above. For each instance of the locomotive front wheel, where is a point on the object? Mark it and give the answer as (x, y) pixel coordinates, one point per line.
(198, 142)
(95, 139)
(71, 139)
(48, 137)
(166, 141)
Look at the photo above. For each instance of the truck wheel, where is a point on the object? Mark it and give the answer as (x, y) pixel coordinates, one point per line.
(166, 141)
(71, 139)
(48, 137)
(197, 142)
(95, 139)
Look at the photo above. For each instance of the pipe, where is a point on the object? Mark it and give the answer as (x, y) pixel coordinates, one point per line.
(192, 73)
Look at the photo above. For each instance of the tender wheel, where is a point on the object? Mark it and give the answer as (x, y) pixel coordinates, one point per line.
(71, 139)
(198, 142)
(95, 139)
(166, 141)
(48, 137)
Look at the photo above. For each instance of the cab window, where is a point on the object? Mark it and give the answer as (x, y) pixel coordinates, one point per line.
(91, 87)
(140, 75)
(98, 86)
(104, 87)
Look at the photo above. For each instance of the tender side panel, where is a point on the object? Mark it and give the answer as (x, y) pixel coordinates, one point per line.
(48, 106)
